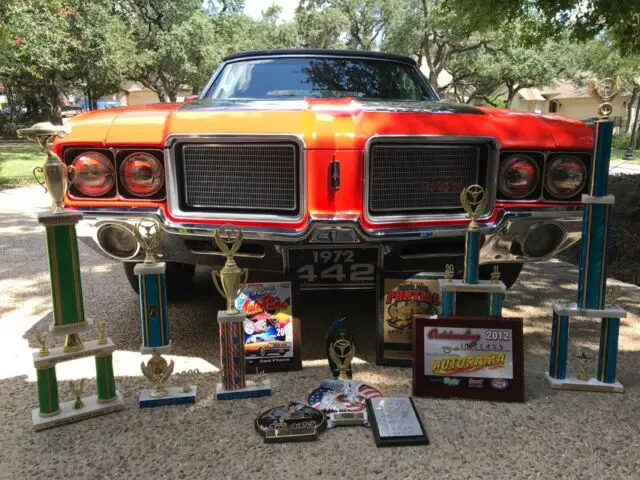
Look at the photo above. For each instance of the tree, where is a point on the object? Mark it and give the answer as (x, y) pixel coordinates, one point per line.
(320, 28)
(506, 64)
(431, 32)
(584, 19)
(103, 50)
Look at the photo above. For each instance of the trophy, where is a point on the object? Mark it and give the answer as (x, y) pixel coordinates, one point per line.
(101, 326)
(343, 399)
(157, 371)
(57, 176)
(77, 389)
(66, 291)
(474, 201)
(229, 278)
(595, 300)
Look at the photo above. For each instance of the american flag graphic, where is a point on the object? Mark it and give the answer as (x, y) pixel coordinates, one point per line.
(343, 404)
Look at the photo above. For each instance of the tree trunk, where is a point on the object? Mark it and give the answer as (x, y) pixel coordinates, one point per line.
(634, 95)
(173, 96)
(53, 99)
(634, 130)
(161, 96)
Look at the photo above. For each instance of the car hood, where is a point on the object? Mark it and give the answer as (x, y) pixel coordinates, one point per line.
(344, 123)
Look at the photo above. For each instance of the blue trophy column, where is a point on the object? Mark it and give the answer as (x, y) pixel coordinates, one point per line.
(495, 304)
(592, 282)
(559, 342)
(153, 306)
(448, 304)
(608, 350)
(472, 254)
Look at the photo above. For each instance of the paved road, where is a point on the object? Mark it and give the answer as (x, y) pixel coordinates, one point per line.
(626, 168)
(575, 435)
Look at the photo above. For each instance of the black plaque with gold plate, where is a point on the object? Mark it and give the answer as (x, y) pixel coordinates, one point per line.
(293, 422)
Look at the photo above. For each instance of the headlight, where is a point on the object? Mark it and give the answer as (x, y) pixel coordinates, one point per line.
(142, 174)
(95, 174)
(519, 176)
(565, 177)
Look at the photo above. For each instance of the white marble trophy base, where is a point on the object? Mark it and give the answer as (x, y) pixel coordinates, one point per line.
(483, 286)
(250, 391)
(150, 268)
(68, 414)
(164, 350)
(591, 385)
(174, 396)
(57, 354)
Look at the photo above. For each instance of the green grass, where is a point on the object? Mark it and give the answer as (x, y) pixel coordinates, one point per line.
(17, 162)
(616, 156)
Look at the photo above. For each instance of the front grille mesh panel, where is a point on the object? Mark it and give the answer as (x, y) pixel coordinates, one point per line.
(418, 179)
(253, 177)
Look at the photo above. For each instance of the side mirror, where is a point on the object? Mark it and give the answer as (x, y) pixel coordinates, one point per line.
(190, 98)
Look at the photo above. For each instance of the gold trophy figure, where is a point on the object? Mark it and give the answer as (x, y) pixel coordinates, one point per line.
(157, 371)
(102, 337)
(613, 293)
(148, 233)
(585, 357)
(449, 272)
(57, 176)
(474, 200)
(42, 340)
(229, 278)
(342, 352)
(604, 90)
(77, 389)
(495, 274)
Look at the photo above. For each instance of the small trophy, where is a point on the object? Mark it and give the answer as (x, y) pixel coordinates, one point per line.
(148, 232)
(585, 357)
(229, 278)
(342, 398)
(449, 272)
(157, 371)
(78, 389)
(42, 340)
(604, 90)
(474, 201)
(57, 176)
(495, 274)
(188, 379)
(101, 326)
(613, 293)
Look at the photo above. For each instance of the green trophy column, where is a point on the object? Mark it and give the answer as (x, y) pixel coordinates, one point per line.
(64, 268)
(105, 381)
(48, 392)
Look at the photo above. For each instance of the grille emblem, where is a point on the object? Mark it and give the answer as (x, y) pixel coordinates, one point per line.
(334, 174)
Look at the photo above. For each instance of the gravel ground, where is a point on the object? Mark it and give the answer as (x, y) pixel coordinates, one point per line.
(552, 435)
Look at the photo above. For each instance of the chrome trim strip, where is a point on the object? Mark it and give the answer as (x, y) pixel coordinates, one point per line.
(173, 200)
(491, 181)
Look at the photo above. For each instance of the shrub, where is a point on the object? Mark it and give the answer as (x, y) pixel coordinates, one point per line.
(624, 250)
(621, 141)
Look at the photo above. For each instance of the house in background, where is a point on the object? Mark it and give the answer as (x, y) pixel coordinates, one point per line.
(567, 100)
(135, 93)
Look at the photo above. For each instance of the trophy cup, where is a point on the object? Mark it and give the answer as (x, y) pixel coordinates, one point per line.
(585, 357)
(42, 340)
(474, 200)
(592, 277)
(227, 281)
(66, 291)
(343, 399)
(57, 176)
(157, 371)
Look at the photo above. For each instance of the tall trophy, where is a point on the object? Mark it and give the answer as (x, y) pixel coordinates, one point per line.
(342, 398)
(68, 306)
(474, 201)
(595, 300)
(154, 321)
(228, 281)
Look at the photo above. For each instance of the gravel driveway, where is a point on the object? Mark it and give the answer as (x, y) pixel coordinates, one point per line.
(552, 435)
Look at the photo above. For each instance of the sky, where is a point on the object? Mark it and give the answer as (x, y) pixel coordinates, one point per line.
(254, 7)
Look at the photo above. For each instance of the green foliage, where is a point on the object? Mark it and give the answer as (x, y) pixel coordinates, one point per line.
(620, 141)
(584, 19)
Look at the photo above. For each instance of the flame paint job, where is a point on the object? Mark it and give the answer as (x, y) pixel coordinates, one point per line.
(327, 127)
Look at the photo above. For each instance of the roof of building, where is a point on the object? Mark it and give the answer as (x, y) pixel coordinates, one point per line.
(531, 94)
(288, 52)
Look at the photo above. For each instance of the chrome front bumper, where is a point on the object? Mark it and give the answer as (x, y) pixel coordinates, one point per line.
(502, 239)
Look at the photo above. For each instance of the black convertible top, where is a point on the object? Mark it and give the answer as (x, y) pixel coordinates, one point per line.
(287, 52)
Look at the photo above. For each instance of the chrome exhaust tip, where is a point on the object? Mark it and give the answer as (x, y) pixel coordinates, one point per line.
(117, 241)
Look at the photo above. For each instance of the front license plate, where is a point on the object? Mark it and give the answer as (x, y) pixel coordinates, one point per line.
(330, 267)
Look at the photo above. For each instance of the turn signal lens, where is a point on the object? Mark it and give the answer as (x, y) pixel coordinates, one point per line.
(95, 174)
(142, 174)
(518, 177)
(566, 176)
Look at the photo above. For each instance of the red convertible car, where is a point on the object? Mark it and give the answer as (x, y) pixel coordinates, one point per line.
(335, 164)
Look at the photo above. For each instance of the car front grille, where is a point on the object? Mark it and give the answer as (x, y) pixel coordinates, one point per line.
(245, 178)
(423, 178)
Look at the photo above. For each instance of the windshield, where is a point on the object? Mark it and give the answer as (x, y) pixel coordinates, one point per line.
(278, 78)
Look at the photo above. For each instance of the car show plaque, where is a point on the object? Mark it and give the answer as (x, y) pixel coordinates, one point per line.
(400, 300)
(293, 422)
(395, 422)
(271, 330)
(470, 357)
